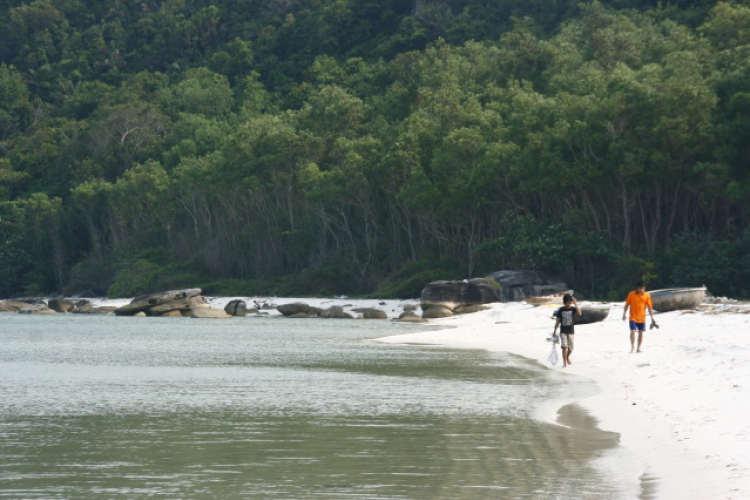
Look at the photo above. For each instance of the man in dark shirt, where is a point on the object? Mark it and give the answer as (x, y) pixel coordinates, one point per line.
(566, 321)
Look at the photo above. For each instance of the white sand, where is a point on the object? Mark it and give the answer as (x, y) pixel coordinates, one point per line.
(681, 407)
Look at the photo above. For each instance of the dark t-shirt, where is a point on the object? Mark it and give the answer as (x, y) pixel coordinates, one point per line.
(567, 319)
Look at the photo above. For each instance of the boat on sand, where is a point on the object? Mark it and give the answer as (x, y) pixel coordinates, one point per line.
(674, 299)
(592, 314)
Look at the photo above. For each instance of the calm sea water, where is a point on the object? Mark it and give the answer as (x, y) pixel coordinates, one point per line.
(121, 407)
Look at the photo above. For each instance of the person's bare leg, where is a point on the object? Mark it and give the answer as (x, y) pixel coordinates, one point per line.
(632, 340)
(565, 357)
(640, 340)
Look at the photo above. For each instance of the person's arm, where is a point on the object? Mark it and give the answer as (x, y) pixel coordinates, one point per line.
(575, 304)
(650, 306)
(557, 323)
(625, 311)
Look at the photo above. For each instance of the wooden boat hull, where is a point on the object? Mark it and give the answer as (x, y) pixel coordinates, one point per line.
(592, 315)
(675, 299)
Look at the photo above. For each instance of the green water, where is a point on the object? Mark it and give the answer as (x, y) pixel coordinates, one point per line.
(116, 407)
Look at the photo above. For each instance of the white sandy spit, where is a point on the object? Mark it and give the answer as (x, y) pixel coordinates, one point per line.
(681, 407)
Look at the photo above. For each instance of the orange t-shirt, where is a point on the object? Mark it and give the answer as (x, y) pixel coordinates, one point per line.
(638, 305)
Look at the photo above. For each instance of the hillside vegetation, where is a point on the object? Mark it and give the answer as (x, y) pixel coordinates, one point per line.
(358, 146)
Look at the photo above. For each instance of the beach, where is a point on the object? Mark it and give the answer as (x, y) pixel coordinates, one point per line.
(681, 407)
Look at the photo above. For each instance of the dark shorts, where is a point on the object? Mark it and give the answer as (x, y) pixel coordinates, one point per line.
(637, 326)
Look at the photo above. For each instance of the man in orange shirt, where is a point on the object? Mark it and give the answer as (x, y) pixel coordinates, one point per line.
(638, 300)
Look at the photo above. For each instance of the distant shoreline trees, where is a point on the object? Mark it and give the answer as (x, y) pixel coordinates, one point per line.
(343, 147)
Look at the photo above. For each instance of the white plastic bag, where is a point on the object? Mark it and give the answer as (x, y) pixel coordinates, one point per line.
(553, 357)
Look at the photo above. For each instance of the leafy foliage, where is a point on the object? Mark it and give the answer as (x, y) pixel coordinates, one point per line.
(351, 146)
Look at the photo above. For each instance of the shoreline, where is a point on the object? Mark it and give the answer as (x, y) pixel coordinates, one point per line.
(679, 407)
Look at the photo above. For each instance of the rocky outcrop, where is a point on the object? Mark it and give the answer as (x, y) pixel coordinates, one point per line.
(183, 306)
(11, 306)
(173, 303)
(441, 299)
(302, 310)
(175, 299)
(517, 285)
(36, 309)
(58, 305)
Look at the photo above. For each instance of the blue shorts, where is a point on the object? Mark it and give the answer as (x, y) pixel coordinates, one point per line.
(637, 326)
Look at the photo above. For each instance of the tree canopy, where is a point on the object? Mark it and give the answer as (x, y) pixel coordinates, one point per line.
(351, 146)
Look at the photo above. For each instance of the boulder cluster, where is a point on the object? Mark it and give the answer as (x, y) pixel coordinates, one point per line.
(303, 310)
(439, 299)
(52, 306)
(183, 303)
(174, 303)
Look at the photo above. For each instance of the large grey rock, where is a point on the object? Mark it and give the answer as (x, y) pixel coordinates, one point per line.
(517, 285)
(236, 307)
(293, 309)
(371, 313)
(335, 312)
(436, 311)
(452, 294)
(61, 305)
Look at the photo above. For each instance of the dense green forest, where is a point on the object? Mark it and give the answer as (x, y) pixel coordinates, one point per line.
(299, 147)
